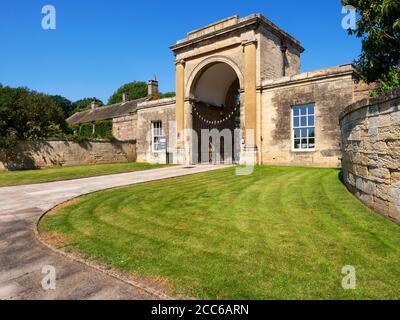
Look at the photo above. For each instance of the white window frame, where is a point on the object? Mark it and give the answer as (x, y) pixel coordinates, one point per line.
(156, 132)
(303, 127)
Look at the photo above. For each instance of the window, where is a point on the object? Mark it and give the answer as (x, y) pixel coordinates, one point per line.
(157, 133)
(303, 127)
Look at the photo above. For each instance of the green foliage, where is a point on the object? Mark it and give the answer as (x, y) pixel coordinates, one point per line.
(8, 142)
(136, 90)
(86, 130)
(388, 82)
(102, 130)
(167, 95)
(78, 139)
(379, 28)
(28, 115)
(84, 104)
(64, 104)
(391, 80)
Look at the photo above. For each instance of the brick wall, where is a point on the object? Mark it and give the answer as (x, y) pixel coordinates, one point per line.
(371, 152)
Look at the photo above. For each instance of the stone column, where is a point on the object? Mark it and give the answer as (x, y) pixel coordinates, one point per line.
(250, 97)
(180, 111)
(180, 101)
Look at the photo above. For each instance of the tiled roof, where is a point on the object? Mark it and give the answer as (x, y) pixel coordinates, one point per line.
(107, 112)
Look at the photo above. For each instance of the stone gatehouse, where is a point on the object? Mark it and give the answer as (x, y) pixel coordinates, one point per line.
(239, 77)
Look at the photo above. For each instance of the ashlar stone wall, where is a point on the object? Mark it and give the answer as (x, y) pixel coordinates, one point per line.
(125, 128)
(371, 152)
(159, 110)
(329, 90)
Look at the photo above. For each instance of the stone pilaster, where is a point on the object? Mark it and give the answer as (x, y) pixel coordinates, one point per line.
(250, 94)
(180, 102)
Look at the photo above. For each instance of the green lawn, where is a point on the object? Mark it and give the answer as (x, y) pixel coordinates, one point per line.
(280, 233)
(12, 178)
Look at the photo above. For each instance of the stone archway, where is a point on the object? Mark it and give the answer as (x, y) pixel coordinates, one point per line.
(215, 98)
(199, 78)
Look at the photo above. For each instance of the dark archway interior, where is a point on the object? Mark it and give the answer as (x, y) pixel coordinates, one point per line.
(217, 109)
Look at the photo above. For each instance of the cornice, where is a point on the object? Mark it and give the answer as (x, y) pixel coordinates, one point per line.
(253, 22)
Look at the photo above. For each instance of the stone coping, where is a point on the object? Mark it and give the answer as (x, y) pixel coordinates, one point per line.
(344, 70)
(224, 22)
(75, 141)
(156, 103)
(387, 96)
(254, 19)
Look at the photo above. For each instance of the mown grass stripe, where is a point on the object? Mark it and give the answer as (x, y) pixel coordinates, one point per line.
(280, 233)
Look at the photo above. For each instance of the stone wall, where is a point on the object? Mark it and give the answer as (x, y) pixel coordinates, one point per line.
(362, 90)
(371, 152)
(273, 63)
(160, 110)
(59, 152)
(125, 128)
(330, 90)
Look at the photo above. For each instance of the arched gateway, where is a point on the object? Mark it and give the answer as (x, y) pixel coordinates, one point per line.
(218, 69)
(215, 99)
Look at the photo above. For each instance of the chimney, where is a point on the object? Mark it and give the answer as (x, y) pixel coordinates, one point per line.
(152, 88)
(125, 97)
(93, 105)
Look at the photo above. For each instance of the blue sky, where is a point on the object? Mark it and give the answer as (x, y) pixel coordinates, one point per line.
(99, 45)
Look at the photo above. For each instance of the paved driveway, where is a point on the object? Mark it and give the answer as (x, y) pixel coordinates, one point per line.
(22, 256)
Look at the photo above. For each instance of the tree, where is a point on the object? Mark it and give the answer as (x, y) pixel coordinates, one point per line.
(26, 115)
(84, 104)
(136, 90)
(168, 95)
(379, 28)
(65, 105)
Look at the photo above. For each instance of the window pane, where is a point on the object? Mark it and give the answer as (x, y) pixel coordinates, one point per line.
(157, 133)
(303, 127)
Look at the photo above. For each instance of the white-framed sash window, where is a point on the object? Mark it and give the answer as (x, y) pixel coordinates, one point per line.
(303, 127)
(156, 134)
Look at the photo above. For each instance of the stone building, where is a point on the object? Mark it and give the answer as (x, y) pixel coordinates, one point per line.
(240, 97)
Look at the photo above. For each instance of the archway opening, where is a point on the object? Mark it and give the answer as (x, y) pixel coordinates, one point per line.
(216, 114)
